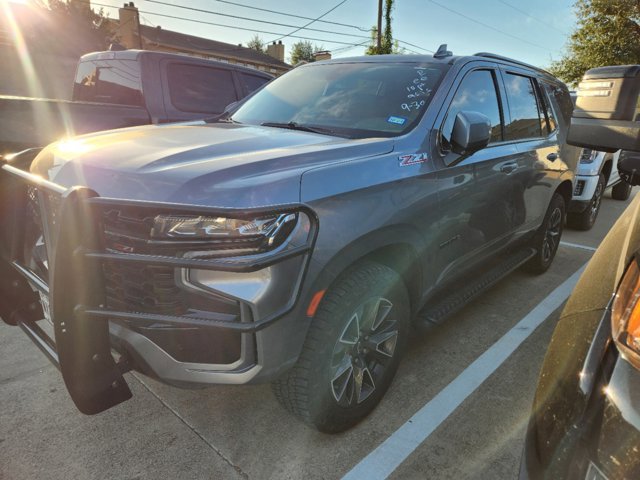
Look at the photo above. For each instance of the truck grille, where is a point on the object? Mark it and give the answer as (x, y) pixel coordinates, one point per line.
(153, 289)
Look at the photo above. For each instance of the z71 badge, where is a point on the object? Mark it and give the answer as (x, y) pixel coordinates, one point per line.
(412, 159)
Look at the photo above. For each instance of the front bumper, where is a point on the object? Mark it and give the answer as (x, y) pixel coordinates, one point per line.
(244, 303)
(584, 188)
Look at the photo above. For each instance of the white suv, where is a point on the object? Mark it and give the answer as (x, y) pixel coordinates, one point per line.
(596, 172)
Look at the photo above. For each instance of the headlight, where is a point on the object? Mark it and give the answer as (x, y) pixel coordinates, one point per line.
(625, 315)
(588, 155)
(250, 235)
(203, 228)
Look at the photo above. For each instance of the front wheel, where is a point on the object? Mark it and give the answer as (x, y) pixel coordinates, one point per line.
(547, 239)
(351, 352)
(586, 219)
(621, 191)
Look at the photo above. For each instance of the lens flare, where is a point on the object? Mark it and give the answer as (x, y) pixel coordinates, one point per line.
(34, 86)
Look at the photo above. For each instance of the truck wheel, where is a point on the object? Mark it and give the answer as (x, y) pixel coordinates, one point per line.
(585, 220)
(547, 238)
(621, 191)
(351, 352)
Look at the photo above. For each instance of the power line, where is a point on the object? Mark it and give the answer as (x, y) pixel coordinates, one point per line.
(488, 26)
(305, 27)
(227, 26)
(312, 21)
(255, 19)
(349, 45)
(292, 15)
(517, 9)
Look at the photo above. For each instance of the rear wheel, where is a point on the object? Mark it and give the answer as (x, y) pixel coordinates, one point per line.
(547, 238)
(352, 350)
(621, 191)
(586, 219)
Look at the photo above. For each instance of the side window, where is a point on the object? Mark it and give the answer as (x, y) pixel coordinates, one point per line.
(252, 82)
(476, 93)
(193, 88)
(550, 125)
(561, 99)
(527, 120)
(523, 105)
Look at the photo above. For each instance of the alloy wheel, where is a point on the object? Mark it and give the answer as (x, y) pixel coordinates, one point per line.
(552, 235)
(363, 351)
(595, 202)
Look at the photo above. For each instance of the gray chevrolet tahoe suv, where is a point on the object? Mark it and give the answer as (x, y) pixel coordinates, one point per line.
(295, 239)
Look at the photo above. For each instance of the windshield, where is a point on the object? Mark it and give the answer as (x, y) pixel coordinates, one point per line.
(355, 100)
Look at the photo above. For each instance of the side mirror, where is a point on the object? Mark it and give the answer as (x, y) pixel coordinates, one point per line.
(629, 167)
(471, 132)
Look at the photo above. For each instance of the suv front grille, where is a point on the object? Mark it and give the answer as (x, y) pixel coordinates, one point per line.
(131, 287)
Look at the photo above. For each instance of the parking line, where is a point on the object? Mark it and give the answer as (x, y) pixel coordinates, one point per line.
(382, 461)
(575, 245)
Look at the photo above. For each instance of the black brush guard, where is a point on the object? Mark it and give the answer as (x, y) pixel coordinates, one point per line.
(81, 347)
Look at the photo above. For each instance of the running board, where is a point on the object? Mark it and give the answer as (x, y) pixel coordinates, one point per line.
(435, 313)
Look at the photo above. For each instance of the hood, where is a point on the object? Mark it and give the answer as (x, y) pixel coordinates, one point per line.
(222, 165)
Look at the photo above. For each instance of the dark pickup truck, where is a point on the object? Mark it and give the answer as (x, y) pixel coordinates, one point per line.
(123, 89)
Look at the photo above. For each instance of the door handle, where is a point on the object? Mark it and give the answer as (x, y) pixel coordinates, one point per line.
(508, 167)
(552, 157)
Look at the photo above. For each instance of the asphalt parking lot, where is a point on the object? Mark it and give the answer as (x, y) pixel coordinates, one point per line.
(242, 432)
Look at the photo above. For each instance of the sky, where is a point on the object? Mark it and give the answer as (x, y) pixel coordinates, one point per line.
(533, 31)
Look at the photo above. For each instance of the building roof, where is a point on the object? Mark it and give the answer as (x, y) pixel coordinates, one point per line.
(190, 42)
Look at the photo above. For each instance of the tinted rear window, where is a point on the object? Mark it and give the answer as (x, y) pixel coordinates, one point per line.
(523, 105)
(200, 89)
(109, 81)
(252, 82)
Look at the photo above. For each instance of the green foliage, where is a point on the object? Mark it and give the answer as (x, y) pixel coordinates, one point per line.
(257, 43)
(74, 27)
(608, 33)
(303, 51)
(387, 44)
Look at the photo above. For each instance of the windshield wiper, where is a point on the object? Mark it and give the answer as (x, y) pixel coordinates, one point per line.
(300, 127)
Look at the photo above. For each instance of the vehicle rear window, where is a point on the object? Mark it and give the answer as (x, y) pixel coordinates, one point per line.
(561, 99)
(523, 105)
(550, 125)
(109, 81)
(476, 93)
(195, 88)
(252, 82)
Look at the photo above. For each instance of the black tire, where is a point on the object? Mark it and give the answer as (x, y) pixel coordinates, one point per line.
(547, 239)
(323, 388)
(621, 191)
(586, 220)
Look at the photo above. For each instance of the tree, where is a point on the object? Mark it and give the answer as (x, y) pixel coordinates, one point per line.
(608, 33)
(75, 27)
(304, 50)
(256, 43)
(387, 45)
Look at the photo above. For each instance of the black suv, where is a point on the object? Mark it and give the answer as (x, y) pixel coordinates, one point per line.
(295, 239)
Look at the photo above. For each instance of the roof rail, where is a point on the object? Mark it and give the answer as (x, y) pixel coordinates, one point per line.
(510, 60)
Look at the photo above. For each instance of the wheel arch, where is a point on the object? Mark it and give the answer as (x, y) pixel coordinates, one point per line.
(606, 168)
(565, 189)
(395, 247)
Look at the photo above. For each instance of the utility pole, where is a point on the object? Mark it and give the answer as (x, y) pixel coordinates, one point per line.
(379, 40)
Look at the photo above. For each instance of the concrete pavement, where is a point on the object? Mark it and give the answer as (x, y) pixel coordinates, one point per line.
(242, 432)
